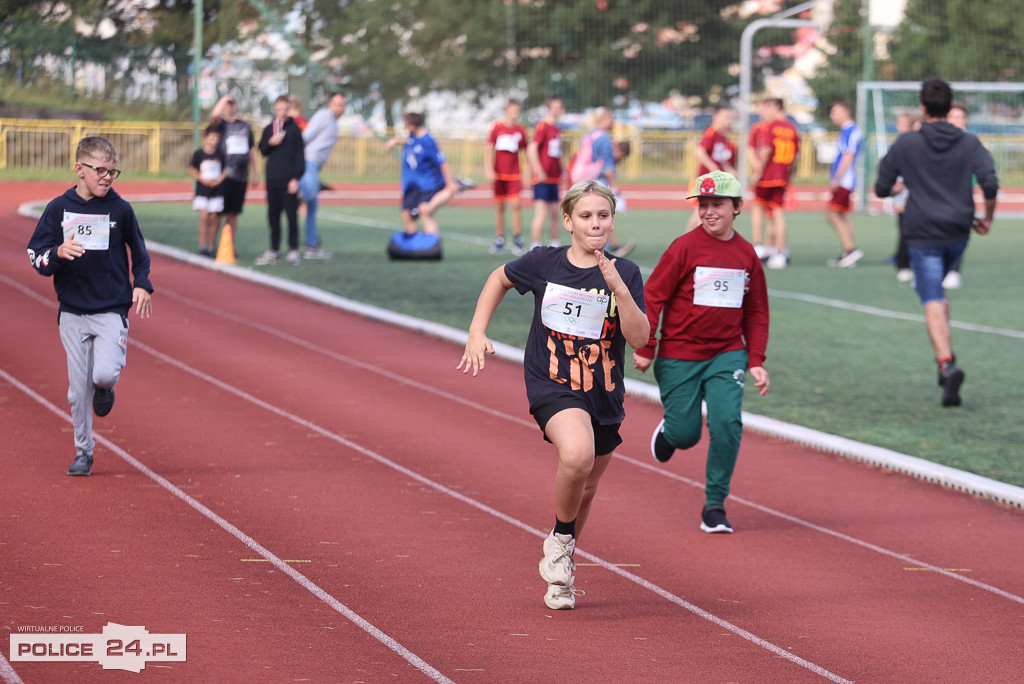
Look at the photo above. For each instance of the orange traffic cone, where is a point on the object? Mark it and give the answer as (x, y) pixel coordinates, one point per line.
(226, 248)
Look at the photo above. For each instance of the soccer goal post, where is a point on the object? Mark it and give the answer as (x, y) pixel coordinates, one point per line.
(995, 113)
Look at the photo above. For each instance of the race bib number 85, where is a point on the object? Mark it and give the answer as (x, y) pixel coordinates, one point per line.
(92, 230)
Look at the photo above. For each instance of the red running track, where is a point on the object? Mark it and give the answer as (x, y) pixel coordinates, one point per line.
(312, 496)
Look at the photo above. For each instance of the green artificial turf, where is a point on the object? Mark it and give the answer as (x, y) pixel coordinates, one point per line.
(867, 374)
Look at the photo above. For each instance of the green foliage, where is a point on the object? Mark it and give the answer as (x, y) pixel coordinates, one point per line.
(838, 80)
(959, 40)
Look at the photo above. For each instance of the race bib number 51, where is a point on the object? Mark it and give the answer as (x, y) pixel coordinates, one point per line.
(92, 230)
(574, 312)
(719, 287)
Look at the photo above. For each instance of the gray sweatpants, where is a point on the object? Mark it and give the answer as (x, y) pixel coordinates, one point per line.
(97, 348)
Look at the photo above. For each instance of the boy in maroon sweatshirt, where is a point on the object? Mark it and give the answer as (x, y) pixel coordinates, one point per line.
(708, 292)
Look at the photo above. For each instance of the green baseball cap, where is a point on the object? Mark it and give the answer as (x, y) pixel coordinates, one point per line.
(717, 184)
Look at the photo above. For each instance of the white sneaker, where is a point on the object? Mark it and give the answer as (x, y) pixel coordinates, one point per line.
(316, 253)
(777, 261)
(498, 247)
(762, 252)
(562, 596)
(904, 275)
(846, 259)
(293, 257)
(953, 281)
(557, 565)
(268, 258)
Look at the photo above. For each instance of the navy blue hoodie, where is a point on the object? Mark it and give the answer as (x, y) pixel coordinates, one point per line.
(938, 164)
(99, 281)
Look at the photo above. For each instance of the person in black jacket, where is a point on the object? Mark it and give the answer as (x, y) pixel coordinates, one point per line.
(82, 240)
(281, 145)
(938, 163)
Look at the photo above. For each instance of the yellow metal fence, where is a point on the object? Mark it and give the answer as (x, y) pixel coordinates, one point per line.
(166, 148)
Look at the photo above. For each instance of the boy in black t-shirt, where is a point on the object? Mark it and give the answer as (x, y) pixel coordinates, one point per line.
(208, 168)
(587, 306)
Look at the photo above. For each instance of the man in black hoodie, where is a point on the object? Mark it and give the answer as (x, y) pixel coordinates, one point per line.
(82, 241)
(938, 164)
(281, 145)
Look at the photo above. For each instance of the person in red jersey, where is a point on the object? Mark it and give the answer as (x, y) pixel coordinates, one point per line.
(777, 144)
(501, 161)
(714, 152)
(545, 156)
(709, 294)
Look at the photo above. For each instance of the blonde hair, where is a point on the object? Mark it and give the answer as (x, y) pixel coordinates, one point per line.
(584, 188)
(95, 147)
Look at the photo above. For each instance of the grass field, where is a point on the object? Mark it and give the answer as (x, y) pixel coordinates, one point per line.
(848, 352)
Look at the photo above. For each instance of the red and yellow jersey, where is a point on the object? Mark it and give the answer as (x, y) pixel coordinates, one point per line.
(508, 142)
(781, 138)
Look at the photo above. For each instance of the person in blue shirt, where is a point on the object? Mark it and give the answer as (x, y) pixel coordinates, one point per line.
(427, 182)
(843, 181)
(82, 241)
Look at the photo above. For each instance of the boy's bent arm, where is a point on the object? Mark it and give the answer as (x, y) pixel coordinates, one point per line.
(478, 346)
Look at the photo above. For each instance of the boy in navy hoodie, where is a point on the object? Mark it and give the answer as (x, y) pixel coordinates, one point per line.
(82, 240)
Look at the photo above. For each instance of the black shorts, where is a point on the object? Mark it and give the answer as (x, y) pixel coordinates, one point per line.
(414, 197)
(606, 437)
(234, 196)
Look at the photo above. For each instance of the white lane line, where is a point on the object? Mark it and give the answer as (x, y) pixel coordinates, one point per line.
(256, 547)
(214, 311)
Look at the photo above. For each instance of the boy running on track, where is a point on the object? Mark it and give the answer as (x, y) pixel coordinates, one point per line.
(587, 305)
(83, 240)
(709, 293)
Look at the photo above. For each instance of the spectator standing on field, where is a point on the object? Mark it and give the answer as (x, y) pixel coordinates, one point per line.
(843, 181)
(83, 240)
(207, 167)
(501, 162)
(714, 152)
(545, 156)
(938, 164)
(281, 145)
(239, 148)
(319, 137)
(776, 145)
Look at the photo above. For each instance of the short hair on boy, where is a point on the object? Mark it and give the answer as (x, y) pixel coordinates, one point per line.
(211, 129)
(283, 98)
(96, 147)
(845, 104)
(936, 97)
(414, 119)
(624, 147)
(552, 98)
(583, 188)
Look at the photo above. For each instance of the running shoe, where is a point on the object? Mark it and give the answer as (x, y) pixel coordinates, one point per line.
(846, 259)
(562, 596)
(498, 247)
(557, 565)
(660, 448)
(777, 261)
(950, 379)
(518, 246)
(316, 253)
(82, 465)
(102, 400)
(713, 520)
(904, 275)
(762, 252)
(952, 281)
(464, 183)
(268, 258)
(293, 257)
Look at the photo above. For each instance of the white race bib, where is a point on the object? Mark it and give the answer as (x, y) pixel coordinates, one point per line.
(574, 312)
(720, 287)
(508, 142)
(555, 148)
(210, 169)
(92, 230)
(237, 144)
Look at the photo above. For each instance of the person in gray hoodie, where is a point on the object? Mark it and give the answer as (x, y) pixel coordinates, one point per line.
(319, 137)
(938, 164)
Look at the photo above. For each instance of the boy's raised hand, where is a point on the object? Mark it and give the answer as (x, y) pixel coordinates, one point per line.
(70, 249)
(608, 270)
(474, 358)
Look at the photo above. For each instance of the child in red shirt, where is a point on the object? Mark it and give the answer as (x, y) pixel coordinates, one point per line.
(709, 293)
(501, 162)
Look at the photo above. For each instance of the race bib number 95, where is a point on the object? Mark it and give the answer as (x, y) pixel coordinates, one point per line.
(92, 230)
(719, 287)
(574, 312)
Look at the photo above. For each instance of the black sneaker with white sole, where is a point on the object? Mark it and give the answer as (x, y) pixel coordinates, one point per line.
(102, 400)
(660, 448)
(950, 378)
(82, 465)
(713, 520)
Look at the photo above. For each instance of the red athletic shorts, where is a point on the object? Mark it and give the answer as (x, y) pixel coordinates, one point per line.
(505, 190)
(771, 197)
(840, 201)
